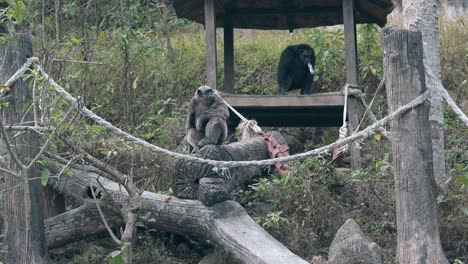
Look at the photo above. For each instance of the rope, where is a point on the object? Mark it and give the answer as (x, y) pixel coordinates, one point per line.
(247, 123)
(231, 164)
(19, 72)
(447, 96)
(343, 131)
(345, 108)
(370, 104)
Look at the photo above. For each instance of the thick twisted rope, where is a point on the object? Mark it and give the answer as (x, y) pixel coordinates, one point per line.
(447, 96)
(19, 72)
(230, 164)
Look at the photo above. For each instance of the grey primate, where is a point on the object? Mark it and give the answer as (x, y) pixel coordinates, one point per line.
(206, 119)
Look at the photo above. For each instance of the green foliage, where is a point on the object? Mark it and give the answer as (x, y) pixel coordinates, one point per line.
(329, 53)
(319, 171)
(15, 14)
(273, 220)
(455, 154)
(454, 57)
(115, 257)
(370, 53)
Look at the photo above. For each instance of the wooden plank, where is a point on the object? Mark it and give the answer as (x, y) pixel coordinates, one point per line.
(322, 109)
(294, 11)
(210, 39)
(275, 101)
(228, 53)
(352, 73)
(354, 114)
(290, 117)
(350, 42)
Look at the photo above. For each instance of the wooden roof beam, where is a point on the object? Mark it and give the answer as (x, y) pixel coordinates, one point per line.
(281, 11)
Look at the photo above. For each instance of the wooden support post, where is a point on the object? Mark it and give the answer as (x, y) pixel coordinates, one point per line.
(24, 229)
(418, 238)
(351, 73)
(228, 53)
(210, 39)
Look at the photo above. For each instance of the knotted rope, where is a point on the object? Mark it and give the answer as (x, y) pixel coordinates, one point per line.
(224, 164)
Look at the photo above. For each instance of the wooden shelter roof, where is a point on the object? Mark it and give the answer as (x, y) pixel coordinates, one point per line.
(285, 14)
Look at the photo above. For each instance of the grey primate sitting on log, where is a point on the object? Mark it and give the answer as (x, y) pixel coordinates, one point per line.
(206, 119)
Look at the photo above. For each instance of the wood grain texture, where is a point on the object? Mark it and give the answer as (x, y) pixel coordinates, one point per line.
(320, 109)
(228, 55)
(226, 224)
(24, 227)
(416, 208)
(210, 39)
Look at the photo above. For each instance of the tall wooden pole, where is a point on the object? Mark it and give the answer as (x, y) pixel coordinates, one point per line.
(210, 38)
(352, 74)
(24, 229)
(228, 53)
(418, 238)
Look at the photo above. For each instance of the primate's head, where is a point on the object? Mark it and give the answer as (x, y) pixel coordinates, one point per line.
(207, 94)
(306, 54)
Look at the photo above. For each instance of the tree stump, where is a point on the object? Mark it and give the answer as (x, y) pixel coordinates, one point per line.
(415, 186)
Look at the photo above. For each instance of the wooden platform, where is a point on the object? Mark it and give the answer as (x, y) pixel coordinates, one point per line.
(321, 109)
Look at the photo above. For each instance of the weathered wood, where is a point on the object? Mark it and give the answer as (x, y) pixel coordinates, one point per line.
(24, 226)
(228, 54)
(350, 42)
(210, 38)
(274, 14)
(354, 115)
(79, 223)
(212, 185)
(424, 15)
(418, 238)
(54, 202)
(320, 109)
(226, 224)
(352, 73)
(264, 101)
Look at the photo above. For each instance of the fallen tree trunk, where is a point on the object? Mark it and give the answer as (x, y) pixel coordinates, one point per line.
(226, 223)
(211, 185)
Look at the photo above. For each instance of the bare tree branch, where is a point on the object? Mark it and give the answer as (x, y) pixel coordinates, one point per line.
(103, 218)
(46, 144)
(13, 155)
(120, 177)
(9, 172)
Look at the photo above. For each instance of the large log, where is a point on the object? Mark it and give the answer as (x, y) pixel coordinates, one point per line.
(226, 224)
(211, 185)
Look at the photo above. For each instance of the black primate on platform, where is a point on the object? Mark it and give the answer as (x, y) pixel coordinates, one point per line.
(296, 69)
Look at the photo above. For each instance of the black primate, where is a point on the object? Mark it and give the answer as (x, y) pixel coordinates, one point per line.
(296, 69)
(206, 119)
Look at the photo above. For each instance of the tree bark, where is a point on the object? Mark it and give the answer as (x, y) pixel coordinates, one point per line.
(226, 224)
(58, 12)
(211, 185)
(416, 208)
(424, 15)
(25, 237)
